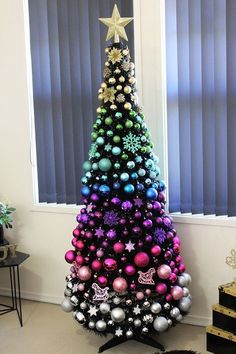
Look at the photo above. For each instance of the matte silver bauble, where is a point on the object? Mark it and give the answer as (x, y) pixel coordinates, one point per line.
(91, 324)
(160, 324)
(129, 333)
(80, 317)
(104, 308)
(101, 325)
(74, 300)
(185, 304)
(83, 305)
(175, 312)
(156, 307)
(66, 305)
(137, 322)
(169, 322)
(118, 314)
(116, 300)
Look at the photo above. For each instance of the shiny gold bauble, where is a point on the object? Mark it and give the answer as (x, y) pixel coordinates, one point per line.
(121, 79)
(127, 106)
(107, 50)
(100, 97)
(100, 90)
(103, 85)
(106, 63)
(117, 71)
(132, 66)
(125, 52)
(132, 80)
(113, 107)
(127, 89)
(112, 80)
(119, 87)
(99, 110)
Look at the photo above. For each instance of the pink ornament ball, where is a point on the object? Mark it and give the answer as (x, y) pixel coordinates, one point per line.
(140, 295)
(81, 287)
(155, 250)
(148, 292)
(96, 265)
(161, 288)
(177, 292)
(141, 259)
(169, 297)
(79, 245)
(130, 269)
(73, 242)
(99, 253)
(118, 247)
(182, 268)
(164, 271)
(132, 286)
(84, 273)
(92, 248)
(70, 256)
(173, 278)
(178, 259)
(76, 233)
(120, 285)
(102, 280)
(79, 260)
(110, 264)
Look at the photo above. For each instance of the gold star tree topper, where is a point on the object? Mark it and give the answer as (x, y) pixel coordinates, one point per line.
(116, 25)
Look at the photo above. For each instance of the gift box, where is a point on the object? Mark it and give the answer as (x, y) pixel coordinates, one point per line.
(227, 295)
(224, 318)
(220, 341)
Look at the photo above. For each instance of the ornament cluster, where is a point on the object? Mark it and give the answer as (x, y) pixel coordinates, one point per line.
(127, 276)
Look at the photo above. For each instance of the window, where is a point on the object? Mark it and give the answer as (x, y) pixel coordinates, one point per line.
(67, 51)
(201, 105)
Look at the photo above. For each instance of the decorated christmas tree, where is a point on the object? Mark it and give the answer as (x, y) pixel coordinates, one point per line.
(127, 276)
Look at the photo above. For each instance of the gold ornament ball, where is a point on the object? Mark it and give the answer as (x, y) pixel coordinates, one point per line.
(103, 85)
(112, 80)
(99, 110)
(106, 63)
(132, 66)
(132, 80)
(100, 97)
(121, 79)
(127, 106)
(132, 72)
(107, 50)
(125, 52)
(100, 90)
(119, 87)
(127, 89)
(113, 107)
(117, 71)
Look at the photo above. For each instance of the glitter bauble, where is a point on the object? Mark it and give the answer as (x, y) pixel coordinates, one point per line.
(104, 164)
(118, 247)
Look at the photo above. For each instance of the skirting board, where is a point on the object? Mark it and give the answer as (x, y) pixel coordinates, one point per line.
(190, 319)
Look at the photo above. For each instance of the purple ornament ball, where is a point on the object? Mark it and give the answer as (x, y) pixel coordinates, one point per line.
(137, 215)
(156, 205)
(116, 201)
(161, 288)
(94, 197)
(147, 224)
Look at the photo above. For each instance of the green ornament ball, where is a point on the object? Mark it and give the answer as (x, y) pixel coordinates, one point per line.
(108, 121)
(129, 123)
(95, 126)
(101, 131)
(119, 127)
(116, 139)
(87, 165)
(94, 136)
(100, 140)
(132, 113)
(118, 115)
(104, 164)
(124, 156)
(110, 133)
(116, 166)
(143, 149)
(137, 126)
(97, 154)
(103, 111)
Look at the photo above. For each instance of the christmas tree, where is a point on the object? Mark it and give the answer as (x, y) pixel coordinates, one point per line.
(127, 277)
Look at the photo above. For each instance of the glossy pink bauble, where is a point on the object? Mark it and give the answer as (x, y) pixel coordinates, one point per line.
(182, 268)
(110, 264)
(81, 287)
(140, 295)
(120, 285)
(168, 297)
(118, 247)
(173, 278)
(177, 292)
(99, 253)
(176, 240)
(84, 273)
(132, 286)
(156, 250)
(73, 242)
(79, 245)
(92, 248)
(79, 260)
(96, 265)
(141, 259)
(102, 280)
(178, 259)
(130, 269)
(164, 271)
(76, 232)
(70, 256)
(161, 288)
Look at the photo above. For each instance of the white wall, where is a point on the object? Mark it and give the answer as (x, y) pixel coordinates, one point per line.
(45, 234)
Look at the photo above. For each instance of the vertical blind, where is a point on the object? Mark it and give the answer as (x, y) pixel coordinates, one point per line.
(67, 50)
(201, 105)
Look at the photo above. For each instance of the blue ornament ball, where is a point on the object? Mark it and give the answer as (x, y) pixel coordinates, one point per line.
(152, 174)
(104, 164)
(95, 187)
(140, 187)
(124, 177)
(161, 186)
(134, 175)
(141, 172)
(87, 165)
(151, 193)
(116, 150)
(116, 185)
(104, 189)
(129, 188)
(85, 191)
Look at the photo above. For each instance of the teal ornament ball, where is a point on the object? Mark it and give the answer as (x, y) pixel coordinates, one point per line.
(118, 115)
(87, 166)
(104, 165)
(149, 164)
(100, 140)
(151, 194)
(162, 186)
(116, 150)
(97, 155)
(141, 172)
(134, 176)
(104, 178)
(85, 191)
(129, 189)
(94, 166)
(104, 189)
(130, 164)
(124, 177)
(116, 165)
(143, 138)
(152, 174)
(84, 180)
(88, 174)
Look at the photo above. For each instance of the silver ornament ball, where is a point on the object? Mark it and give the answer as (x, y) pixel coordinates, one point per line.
(110, 323)
(156, 307)
(66, 305)
(146, 304)
(185, 304)
(117, 314)
(117, 300)
(83, 305)
(137, 322)
(74, 300)
(144, 330)
(166, 306)
(104, 308)
(130, 320)
(101, 325)
(185, 291)
(160, 324)
(129, 333)
(175, 312)
(67, 292)
(91, 324)
(179, 318)
(169, 322)
(80, 317)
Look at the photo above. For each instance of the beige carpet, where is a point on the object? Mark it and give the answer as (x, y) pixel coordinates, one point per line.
(48, 330)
